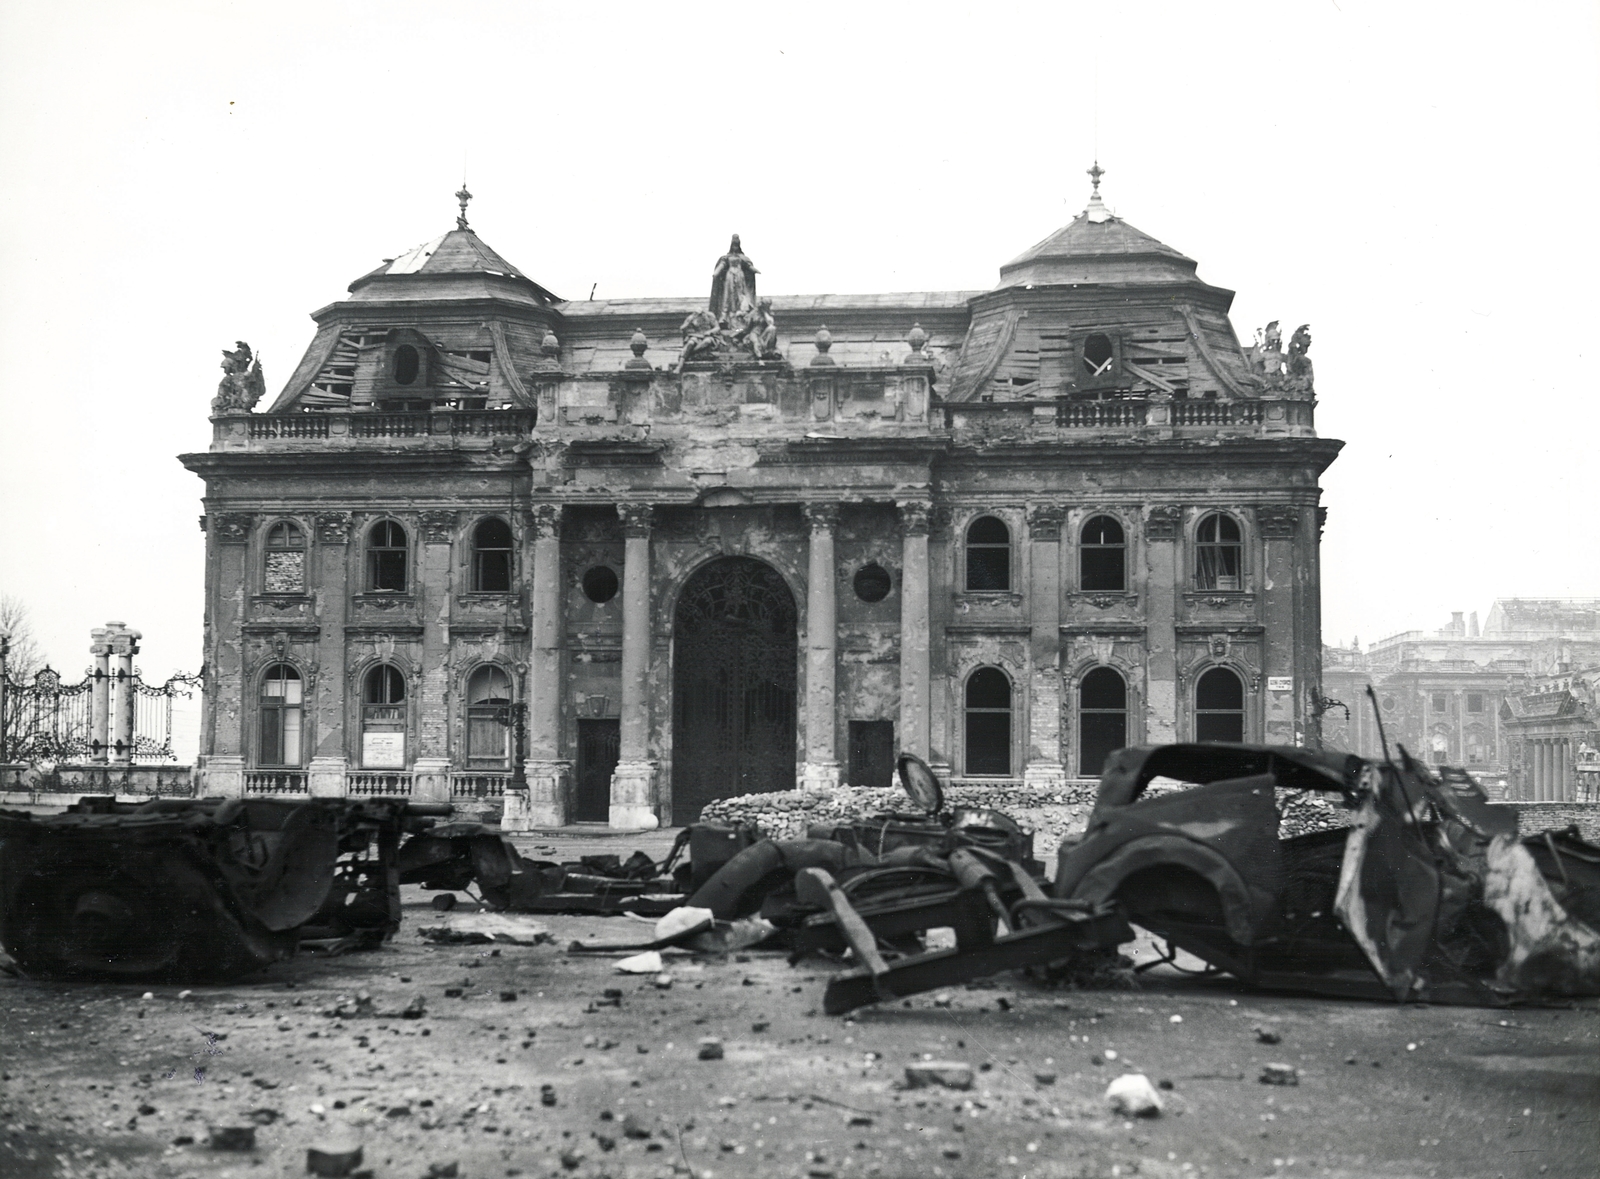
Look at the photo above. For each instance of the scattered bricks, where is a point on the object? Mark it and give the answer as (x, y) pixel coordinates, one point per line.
(263, 1117)
(547, 1094)
(633, 1128)
(1132, 1095)
(508, 996)
(711, 1048)
(860, 1120)
(1044, 1078)
(336, 1157)
(416, 1009)
(443, 902)
(662, 982)
(146, 1110)
(452, 992)
(1279, 1074)
(443, 1170)
(1266, 1035)
(760, 1026)
(571, 1159)
(233, 1138)
(951, 1074)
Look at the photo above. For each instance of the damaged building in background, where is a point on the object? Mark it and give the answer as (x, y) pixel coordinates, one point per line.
(637, 555)
(1512, 701)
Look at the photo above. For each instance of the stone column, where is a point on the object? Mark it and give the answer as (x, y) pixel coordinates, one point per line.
(1164, 580)
(325, 704)
(1541, 770)
(227, 673)
(1278, 524)
(430, 767)
(821, 767)
(548, 799)
(633, 782)
(1045, 769)
(100, 696)
(915, 668)
(1563, 765)
(124, 646)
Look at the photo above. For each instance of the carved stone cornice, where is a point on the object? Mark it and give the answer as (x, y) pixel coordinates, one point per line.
(333, 527)
(636, 519)
(231, 527)
(1278, 521)
(1163, 522)
(916, 516)
(821, 517)
(545, 520)
(437, 526)
(1044, 521)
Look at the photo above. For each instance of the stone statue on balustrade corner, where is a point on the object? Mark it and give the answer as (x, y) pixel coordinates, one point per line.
(1300, 368)
(733, 284)
(242, 384)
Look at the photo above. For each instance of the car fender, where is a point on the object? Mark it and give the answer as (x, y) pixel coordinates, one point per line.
(1241, 909)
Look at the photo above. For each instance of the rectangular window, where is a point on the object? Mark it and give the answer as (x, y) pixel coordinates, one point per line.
(988, 569)
(388, 570)
(491, 573)
(1438, 702)
(1474, 701)
(1103, 569)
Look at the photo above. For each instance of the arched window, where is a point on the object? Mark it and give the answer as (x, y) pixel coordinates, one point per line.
(988, 554)
(989, 723)
(489, 718)
(1102, 719)
(1102, 556)
(1218, 553)
(407, 364)
(387, 551)
(284, 570)
(491, 557)
(281, 711)
(1219, 706)
(383, 718)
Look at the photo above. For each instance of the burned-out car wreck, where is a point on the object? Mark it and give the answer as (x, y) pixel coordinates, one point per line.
(1284, 867)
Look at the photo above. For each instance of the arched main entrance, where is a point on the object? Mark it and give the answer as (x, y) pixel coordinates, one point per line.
(733, 685)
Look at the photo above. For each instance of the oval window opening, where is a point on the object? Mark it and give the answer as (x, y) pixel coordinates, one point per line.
(406, 364)
(872, 583)
(600, 583)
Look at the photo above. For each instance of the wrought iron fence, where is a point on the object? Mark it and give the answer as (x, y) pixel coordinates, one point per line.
(45, 720)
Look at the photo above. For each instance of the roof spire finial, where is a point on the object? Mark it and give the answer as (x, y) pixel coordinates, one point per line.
(462, 198)
(1096, 210)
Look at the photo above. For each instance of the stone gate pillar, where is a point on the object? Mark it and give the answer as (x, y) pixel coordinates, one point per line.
(1044, 768)
(100, 696)
(549, 776)
(821, 768)
(915, 669)
(124, 646)
(633, 782)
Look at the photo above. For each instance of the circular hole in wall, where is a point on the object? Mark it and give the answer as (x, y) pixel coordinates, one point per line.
(1388, 703)
(600, 583)
(872, 583)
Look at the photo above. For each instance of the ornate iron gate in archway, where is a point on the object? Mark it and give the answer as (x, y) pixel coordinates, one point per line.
(733, 685)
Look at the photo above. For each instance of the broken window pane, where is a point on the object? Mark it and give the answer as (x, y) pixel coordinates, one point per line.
(988, 555)
(1218, 553)
(1102, 556)
(386, 558)
(285, 573)
(489, 717)
(491, 557)
(988, 727)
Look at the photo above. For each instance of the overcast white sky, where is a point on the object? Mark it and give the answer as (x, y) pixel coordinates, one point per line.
(1418, 182)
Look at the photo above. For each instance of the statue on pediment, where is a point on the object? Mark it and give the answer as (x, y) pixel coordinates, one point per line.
(242, 384)
(702, 337)
(1300, 370)
(733, 283)
(758, 331)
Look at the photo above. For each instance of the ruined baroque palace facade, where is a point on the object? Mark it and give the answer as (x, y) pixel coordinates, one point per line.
(646, 553)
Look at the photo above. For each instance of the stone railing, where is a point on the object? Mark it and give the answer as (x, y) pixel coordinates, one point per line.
(472, 784)
(276, 782)
(1139, 417)
(378, 783)
(444, 427)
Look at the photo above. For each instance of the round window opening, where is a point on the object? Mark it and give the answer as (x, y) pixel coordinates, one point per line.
(1388, 703)
(600, 583)
(872, 583)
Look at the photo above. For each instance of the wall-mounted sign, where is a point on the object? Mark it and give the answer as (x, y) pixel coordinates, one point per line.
(1280, 683)
(383, 751)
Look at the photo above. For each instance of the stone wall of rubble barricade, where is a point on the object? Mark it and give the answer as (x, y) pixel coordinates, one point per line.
(1533, 817)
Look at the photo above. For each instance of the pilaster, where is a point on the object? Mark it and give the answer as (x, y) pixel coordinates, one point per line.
(1044, 766)
(915, 667)
(633, 782)
(432, 587)
(325, 703)
(548, 801)
(1164, 581)
(1278, 524)
(821, 767)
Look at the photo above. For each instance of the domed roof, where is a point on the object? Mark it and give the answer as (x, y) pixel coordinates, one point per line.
(1097, 246)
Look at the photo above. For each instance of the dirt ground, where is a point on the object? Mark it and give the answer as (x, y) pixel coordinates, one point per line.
(128, 1080)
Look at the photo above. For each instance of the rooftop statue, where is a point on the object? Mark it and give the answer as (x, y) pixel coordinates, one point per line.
(702, 336)
(242, 384)
(758, 331)
(1300, 371)
(733, 284)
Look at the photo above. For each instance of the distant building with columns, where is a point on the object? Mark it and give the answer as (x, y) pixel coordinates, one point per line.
(614, 559)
